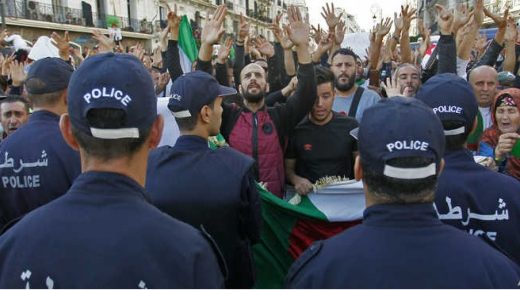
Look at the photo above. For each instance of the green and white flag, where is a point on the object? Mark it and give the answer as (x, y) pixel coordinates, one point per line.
(289, 229)
(188, 51)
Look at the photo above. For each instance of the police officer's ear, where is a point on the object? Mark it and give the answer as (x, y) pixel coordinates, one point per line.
(205, 114)
(156, 132)
(66, 131)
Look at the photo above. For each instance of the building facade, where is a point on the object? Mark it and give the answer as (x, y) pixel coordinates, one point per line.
(139, 20)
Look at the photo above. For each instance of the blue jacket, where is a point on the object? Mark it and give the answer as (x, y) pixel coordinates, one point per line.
(103, 233)
(214, 189)
(36, 166)
(480, 201)
(402, 246)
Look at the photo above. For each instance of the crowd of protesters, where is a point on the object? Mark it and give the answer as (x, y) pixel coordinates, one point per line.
(107, 179)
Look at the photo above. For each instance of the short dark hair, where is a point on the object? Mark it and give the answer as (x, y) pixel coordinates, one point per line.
(16, 98)
(455, 142)
(324, 75)
(47, 99)
(189, 123)
(107, 149)
(344, 51)
(393, 190)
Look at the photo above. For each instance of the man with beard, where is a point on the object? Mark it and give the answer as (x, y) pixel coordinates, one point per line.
(14, 112)
(351, 99)
(408, 79)
(484, 80)
(321, 144)
(254, 129)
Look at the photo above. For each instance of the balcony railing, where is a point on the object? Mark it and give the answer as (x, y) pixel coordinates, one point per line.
(35, 10)
(257, 15)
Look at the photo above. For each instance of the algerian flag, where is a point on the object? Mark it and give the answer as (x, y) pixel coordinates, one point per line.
(188, 51)
(288, 230)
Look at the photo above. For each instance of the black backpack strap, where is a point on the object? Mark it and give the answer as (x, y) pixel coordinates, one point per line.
(355, 102)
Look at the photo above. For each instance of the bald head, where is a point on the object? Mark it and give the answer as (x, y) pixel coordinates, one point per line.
(484, 80)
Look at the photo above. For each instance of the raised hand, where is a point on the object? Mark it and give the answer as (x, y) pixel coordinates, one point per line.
(478, 12)
(511, 32)
(407, 15)
(174, 22)
(391, 87)
(444, 19)
(138, 51)
(243, 30)
(157, 57)
(225, 49)
(501, 22)
(461, 17)
(265, 47)
(339, 35)
(325, 43)
(383, 27)
(62, 43)
(285, 42)
(298, 29)
(318, 33)
(398, 23)
(17, 73)
(213, 29)
(275, 27)
(330, 16)
(105, 44)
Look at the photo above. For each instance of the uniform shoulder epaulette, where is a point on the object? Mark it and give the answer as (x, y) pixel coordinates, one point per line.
(308, 255)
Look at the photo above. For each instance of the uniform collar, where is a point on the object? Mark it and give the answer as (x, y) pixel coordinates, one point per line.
(191, 142)
(459, 155)
(401, 215)
(108, 183)
(43, 115)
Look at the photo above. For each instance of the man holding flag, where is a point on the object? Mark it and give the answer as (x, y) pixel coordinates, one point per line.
(401, 243)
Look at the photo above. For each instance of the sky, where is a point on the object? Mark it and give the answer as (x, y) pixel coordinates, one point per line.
(361, 9)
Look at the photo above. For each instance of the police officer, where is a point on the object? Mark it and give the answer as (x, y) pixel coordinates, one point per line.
(210, 189)
(36, 165)
(401, 243)
(469, 196)
(103, 233)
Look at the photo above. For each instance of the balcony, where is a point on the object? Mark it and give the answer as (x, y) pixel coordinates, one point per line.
(38, 11)
(257, 15)
(229, 5)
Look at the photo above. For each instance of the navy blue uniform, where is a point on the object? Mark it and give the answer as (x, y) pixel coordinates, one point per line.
(103, 233)
(212, 188)
(402, 246)
(36, 166)
(480, 201)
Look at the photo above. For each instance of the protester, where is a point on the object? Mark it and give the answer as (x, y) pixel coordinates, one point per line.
(500, 141)
(38, 164)
(257, 130)
(321, 144)
(225, 205)
(401, 243)
(484, 81)
(100, 232)
(351, 99)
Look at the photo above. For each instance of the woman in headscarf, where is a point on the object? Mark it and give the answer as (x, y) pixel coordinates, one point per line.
(499, 140)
